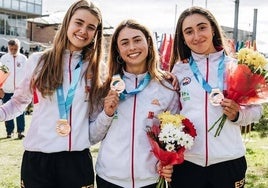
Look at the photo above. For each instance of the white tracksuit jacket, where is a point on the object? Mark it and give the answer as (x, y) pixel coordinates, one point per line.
(124, 156)
(41, 135)
(17, 69)
(208, 149)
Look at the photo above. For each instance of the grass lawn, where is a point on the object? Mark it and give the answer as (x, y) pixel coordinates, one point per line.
(11, 153)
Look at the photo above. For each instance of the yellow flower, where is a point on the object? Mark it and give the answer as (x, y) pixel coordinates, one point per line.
(167, 118)
(242, 54)
(255, 60)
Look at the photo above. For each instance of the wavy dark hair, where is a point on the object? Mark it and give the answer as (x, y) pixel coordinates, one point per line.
(180, 51)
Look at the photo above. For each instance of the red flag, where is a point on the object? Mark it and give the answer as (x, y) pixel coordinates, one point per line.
(165, 52)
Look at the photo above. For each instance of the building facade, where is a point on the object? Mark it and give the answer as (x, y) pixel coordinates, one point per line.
(13, 19)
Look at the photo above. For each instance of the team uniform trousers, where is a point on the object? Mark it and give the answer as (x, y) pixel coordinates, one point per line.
(57, 170)
(229, 174)
(105, 184)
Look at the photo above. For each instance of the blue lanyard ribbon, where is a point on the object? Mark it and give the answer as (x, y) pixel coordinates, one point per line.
(64, 106)
(198, 76)
(143, 83)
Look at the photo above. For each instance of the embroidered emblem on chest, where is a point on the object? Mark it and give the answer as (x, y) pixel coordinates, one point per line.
(155, 102)
(186, 81)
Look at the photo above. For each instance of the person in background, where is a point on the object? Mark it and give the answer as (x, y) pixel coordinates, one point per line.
(63, 83)
(198, 60)
(125, 158)
(16, 63)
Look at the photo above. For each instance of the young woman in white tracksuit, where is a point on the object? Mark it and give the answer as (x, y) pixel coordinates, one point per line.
(125, 158)
(62, 82)
(198, 54)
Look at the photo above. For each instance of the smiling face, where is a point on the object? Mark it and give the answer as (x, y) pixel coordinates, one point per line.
(198, 34)
(81, 30)
(133, 48)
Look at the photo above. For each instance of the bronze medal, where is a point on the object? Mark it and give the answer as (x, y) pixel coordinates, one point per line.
(63, 128)
(215, 97)
(117, 84)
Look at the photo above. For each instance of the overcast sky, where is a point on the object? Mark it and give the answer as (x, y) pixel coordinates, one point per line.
(161, 15)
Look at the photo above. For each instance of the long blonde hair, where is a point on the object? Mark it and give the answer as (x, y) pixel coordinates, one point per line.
(50, 66)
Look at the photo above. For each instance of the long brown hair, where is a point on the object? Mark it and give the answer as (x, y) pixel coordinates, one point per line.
(180, 51)
(50, 67)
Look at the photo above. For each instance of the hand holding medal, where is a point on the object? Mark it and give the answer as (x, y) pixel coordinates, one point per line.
(111, 101)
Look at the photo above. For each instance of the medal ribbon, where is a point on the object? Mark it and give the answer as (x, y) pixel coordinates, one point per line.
(64, 106)
(143, 83)
(198, 76)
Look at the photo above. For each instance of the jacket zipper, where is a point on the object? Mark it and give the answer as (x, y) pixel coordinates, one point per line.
(133, 135)
(206, 111)
(70, 113)
(14, 66)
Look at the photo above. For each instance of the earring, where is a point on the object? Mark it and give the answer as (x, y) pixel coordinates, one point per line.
(119, 60)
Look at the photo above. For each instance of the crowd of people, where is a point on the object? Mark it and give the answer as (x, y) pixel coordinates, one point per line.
(75, 106)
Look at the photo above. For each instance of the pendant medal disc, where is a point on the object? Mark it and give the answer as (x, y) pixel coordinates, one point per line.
(117, 84)
(63, 128)
(215, 97)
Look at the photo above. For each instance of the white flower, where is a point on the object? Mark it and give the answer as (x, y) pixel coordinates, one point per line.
(167, 134)
(187, 141)
(170, 147)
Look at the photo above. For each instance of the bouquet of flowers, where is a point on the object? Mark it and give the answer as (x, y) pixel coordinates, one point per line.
(4, 73)
(169, 140)
(246, 82)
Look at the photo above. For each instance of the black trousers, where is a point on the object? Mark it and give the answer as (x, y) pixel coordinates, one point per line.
(229, 174)
(57, 170)
(101, 183)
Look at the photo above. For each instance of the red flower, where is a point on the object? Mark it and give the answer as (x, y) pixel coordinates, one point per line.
(189, 127)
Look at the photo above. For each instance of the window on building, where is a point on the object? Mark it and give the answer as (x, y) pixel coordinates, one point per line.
(3, 18)
(7, 4)
(30, 7)
(23, 6)
(38, 9)
(15, 4)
